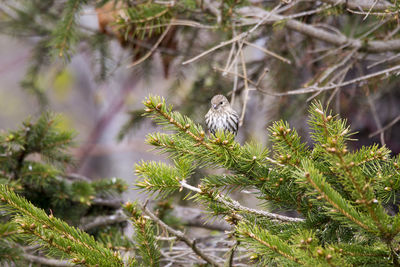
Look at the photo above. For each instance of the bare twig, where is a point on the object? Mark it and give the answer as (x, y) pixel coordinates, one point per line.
(179, 22)
(337, 90)
(228, 62)
(313, 89)
(386, 59)
(235, 79)
(191, 243)
(193, 217)
(266, 51)
(233, 204)
(329, 52)
(377, 26)
(376, 119)
(222, 44)
(370, 9)
(390, 124)
(235, 84)
(274, 161)
(246, 87)
(339, 77)
(262, 75)
(240, 44)
(229, 260)
(148, 54)
(336, 66)
(47, 261)
(190, 187)
(113, 203)
(234, 39)
(99, 221)
(318, 33)
(235, 74)
(362, 4)
(392, 33)
(309, 12)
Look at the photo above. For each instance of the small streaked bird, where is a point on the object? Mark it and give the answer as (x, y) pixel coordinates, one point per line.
(221, 116)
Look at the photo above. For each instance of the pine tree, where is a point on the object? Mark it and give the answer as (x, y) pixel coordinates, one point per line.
(33, 165)
(343, 198)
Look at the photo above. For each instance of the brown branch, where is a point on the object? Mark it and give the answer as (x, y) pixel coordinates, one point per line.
(233, 204)
(334, 86)
(376, 119)
(181, 236)
(393, 122)
(148, 54)
(98, 221)
(46, 261)
(363, 4)
(266, 51)
(239, 37)
(112, 203)
(320, 34)
(246, 86)
(193, 217)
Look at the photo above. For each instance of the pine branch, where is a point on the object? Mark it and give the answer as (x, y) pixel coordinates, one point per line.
(254, 236)
(65, 33)
(157, 105)
(55, 233)
(335, 133)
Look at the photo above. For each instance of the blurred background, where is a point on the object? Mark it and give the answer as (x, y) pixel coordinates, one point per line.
(117, 58)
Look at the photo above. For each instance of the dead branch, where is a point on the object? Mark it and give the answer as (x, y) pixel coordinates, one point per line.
(191, 243)
(233, 204)
(100, 221)
(193, 217)
(112, 203)
(330, 87)
(46, 261)
(318, 33)
(362, 4)
(390, 124)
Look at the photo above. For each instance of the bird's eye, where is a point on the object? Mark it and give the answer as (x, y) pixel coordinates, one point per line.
(221, 103)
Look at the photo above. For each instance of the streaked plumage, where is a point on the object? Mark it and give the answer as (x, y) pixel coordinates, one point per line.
(221, 116)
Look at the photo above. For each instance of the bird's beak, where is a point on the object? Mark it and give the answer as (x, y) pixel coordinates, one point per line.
(214, 106)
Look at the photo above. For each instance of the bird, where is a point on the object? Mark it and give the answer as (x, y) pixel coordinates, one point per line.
(222, 116)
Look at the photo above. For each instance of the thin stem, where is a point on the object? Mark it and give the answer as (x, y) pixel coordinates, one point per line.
(233, 204)
(191, 243)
